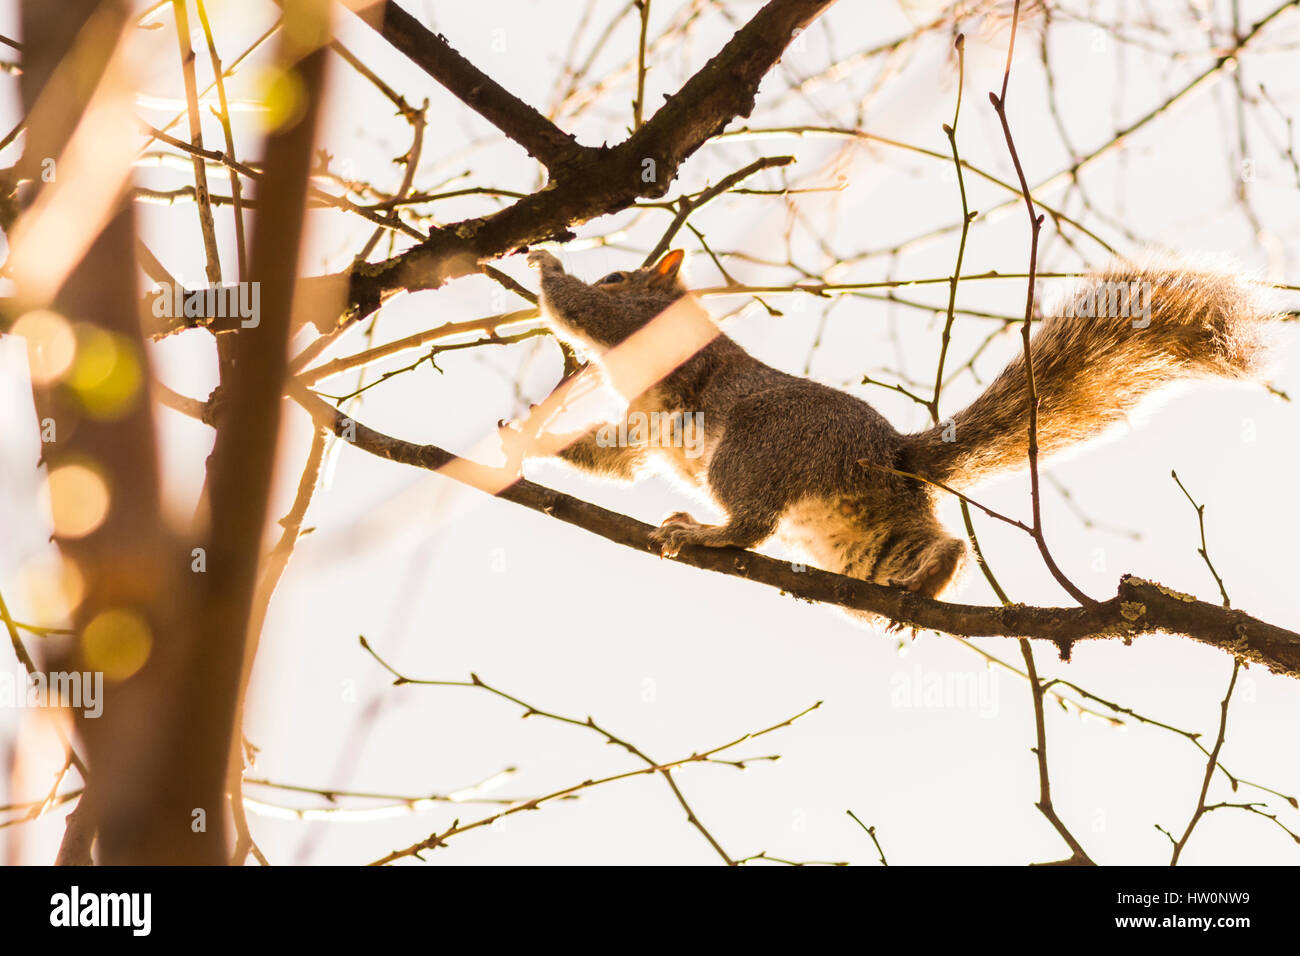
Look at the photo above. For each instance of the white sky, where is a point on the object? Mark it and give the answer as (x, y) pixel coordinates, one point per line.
(444, 581)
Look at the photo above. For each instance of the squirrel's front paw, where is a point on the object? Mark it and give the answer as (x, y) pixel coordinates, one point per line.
(544, 262)
(676, 530)
(516, 445)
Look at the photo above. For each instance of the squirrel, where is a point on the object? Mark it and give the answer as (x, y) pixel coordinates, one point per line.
(789, 457)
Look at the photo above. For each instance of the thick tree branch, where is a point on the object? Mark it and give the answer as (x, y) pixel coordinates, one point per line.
(431, 52)
(588, 183)
(1139, 606)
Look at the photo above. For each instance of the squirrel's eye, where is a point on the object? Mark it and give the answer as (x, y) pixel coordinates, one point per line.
(613, 277)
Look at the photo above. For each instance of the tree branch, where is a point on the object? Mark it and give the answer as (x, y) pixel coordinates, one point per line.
(431, 52)
(1138, 607)
(586, 184)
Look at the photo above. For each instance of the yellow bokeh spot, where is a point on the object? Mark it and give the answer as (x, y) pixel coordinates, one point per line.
(51, 345)
(283, 96)
(117, 643)
(53, 586)
(106, 374)
(79, 500)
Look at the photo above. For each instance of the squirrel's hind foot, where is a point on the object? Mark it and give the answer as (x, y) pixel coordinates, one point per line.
(937, 566)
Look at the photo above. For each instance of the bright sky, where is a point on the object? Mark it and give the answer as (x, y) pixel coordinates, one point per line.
(444, 581)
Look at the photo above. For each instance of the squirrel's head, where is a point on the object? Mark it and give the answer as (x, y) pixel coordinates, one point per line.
(604, 313)
(661, 280)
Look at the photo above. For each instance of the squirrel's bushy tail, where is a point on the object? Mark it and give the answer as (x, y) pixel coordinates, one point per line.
(1121, 334)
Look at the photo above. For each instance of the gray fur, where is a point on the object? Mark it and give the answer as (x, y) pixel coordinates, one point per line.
(790, 457)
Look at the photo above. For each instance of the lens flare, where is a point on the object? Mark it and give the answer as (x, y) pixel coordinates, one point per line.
(117, 643)
(51, 344)
(79, 500)
(106, 374)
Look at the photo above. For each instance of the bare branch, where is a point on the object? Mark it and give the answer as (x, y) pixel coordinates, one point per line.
(589, 182)
(1139, 606)
(431, 52)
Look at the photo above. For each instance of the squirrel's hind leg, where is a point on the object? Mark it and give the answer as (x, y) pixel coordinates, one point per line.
(909, 550)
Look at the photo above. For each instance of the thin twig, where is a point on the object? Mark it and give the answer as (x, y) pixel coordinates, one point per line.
(871, 832)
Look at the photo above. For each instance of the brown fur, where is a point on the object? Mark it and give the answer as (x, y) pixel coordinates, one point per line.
(1090, 370)
(781, 454)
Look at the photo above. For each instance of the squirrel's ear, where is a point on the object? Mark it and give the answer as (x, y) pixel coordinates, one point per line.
(666, 268)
